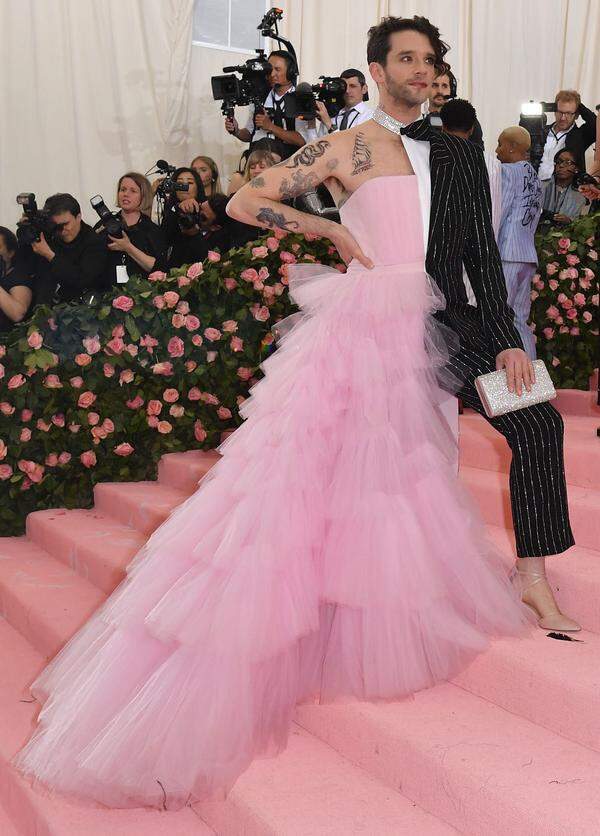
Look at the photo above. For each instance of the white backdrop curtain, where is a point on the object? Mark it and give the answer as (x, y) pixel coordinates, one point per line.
(92, 88)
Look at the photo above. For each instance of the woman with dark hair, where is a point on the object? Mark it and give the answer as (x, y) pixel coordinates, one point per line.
(182, 222)
(15, 285)
(561, 202)
(142, 248)
(209, 174)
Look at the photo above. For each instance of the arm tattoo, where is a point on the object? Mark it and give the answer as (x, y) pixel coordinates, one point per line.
(257, 182)
(298, 184)
(269, 217)
(309, 154)
(361, 155)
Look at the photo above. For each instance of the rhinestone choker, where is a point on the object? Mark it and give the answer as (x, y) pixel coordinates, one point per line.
(388, 122)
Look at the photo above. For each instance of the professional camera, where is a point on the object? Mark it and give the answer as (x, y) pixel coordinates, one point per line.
(303, 102)
(583, 179)
(533, 119)
(168, 186)
(252, 88)
(110, 221)
(37, 221)
(187, 220)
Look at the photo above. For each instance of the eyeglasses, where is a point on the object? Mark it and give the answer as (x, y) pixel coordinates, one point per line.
(566, 112)
(565, 164)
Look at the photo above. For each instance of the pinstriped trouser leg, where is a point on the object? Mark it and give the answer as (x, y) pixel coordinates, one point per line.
(537, 478)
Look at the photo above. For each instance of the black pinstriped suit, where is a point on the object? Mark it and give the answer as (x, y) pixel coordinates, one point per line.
(460, 231)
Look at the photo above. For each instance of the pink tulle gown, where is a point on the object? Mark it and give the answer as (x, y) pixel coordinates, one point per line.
(330, 554)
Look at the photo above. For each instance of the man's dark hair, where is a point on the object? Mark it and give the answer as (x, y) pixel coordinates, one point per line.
(292, 69)
(10, 239)
(56, 204)
(458, 115)
(378, 44)
(195, 175)
(218, 203)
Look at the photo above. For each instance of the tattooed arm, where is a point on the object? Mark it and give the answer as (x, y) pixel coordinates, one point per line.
(259, 202)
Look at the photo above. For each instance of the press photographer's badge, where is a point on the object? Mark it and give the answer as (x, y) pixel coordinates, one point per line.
(122, 277)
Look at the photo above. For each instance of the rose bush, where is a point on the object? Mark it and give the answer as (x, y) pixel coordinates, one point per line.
(92, 394)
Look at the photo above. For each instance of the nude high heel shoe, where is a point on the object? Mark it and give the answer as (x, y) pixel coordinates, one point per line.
(551, 621)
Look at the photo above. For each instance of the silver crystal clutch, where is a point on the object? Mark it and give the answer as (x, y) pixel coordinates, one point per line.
(497, 400)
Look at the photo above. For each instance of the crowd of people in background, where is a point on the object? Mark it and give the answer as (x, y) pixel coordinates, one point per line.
(79, 263)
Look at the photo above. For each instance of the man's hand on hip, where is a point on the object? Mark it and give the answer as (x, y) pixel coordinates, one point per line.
(519, 369)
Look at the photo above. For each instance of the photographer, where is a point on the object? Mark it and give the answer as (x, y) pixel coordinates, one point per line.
(209, 174)
(355, 110)
(74, 261)
(180, 224)
(565, 133)
(275, 133)
(444, 88)
(141, 248)
(15, 284)
(561, 201)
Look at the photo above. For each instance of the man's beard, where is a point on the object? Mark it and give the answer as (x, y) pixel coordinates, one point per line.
(403, 94)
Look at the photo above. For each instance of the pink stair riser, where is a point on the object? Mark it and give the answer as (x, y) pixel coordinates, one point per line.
(142, 505)
(183, 471)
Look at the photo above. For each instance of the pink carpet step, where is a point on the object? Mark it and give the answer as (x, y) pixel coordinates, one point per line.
(577, 401)
(141, 505)
(183, 471)
(92, 544)
(35, 814)
(7, 828)
(42, 598)
(310, 790)
(482, 447)
(490, 490)
(468, 762)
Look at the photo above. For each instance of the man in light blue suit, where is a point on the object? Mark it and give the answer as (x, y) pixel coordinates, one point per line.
(521, 210)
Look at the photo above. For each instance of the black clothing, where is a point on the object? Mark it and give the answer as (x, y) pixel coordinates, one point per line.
(147, 237)
(477, 135)
(13, 278)
(580, 137)
(460, 232)
(76, 269)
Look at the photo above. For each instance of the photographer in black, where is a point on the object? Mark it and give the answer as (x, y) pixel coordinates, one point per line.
(15, 284)
(355, 110)
(270, 128)
(137, 245)
(73, 261)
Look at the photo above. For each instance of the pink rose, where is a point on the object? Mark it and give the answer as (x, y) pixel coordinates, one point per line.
(548, 333)
(18, 380)
(195, 270)
(43, 426)
(197, 340)
(572, 259)
(586, 316)
(157, 276)
(211, 356)
(154, 407)
(93, 418)
(223, 412)
(272, 243)
(176, 410)
(135, 403)
(572, 313)
(260, 312)
(34, 471)
(64, 458)
(3, 450)
(171, 298)
(6, 472)
(2, 350)
(249, 275)
(74, 428)
(230, 326)
(35, 340)
(83, 359)
(123, 303)
(88, 459)
(199, 431)
(572, 273)
(230, 283)
(534, 295)
(132, 350)
(579, 300)
(164, 427)
(108, 425)
(86, 399)
(260, 252)
(194, 394)
(564, 243)
(212, 334)
(280, 233)
(213, 256)
(118, 331)
(6, 408)
(553, 284)
(564, 329)
(148, 343)
(92, 344)
(175, 347)
(236, 344)
(585, 283)
(164, 368)
(287, 258)
(566, 304)
(115, 346)
(98, 433)
(158, 302)
(178, 320)
(183, 307)
(244, 373)
(25, 434)
(124, 449)
(51, 460)
(208, 397)
(183, 281)
(152, 421)
(170, 395)
(192, 322)
(2, 372)
(190, 365)
(126, 376)
(108, 369)
(559, 320)
(26, 415)
(58, 419)
(595, 299)
(574, 331)
(593, 255)
(551, 268)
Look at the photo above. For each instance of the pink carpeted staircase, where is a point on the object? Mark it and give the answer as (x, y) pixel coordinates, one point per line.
(511, 746)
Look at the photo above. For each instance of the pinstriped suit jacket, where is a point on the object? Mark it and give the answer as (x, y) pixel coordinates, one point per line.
(460, 231)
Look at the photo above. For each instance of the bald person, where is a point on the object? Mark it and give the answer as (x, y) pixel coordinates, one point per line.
(519, 217)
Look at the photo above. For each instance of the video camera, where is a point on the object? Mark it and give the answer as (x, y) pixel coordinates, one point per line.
(252, 88)
(533, 119)
(110, 221)
(37, 221)
(169, 185)
(302, 103)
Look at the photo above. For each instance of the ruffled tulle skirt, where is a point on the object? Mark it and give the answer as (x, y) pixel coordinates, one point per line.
(330, 554)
